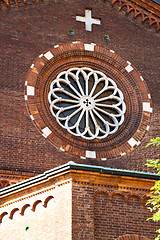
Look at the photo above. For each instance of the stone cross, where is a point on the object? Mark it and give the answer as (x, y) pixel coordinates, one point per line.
(88, 20)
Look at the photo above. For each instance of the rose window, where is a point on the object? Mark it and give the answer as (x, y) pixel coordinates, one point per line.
(87, 103)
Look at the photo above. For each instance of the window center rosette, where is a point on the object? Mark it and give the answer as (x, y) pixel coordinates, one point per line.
(86, 103)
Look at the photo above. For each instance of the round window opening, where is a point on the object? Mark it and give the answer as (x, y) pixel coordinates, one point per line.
(87, 103)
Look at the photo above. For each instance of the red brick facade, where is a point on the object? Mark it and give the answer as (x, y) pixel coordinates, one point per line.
(75, 203)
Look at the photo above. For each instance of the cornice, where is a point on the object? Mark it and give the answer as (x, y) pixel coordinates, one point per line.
(101, 180)
(8, 177)
(147, 5)
(28, 196)
(122, 180)
(145, 11)
(16, 174)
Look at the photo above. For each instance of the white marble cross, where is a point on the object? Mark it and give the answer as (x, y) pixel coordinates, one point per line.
(88, 20)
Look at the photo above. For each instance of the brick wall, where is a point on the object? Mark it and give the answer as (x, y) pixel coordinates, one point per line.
(112, 214)
(117, 218)
(82, 212)
(46, 215)
(29, 30)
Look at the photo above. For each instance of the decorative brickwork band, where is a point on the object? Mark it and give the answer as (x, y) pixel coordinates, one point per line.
(4, 183)
(143, 12)
(132, 237)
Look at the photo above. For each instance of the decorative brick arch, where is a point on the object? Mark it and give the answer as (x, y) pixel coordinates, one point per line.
(139, 10)
(132, 237)
(4, 183)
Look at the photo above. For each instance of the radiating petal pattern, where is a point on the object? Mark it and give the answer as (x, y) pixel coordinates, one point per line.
(87, 103)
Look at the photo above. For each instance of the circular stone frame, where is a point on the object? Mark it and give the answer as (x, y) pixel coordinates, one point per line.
(136, 96)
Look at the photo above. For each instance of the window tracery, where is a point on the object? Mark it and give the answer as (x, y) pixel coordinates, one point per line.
(87, 103)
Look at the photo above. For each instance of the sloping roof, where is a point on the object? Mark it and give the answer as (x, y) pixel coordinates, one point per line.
(156, 1)
(74, 166)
